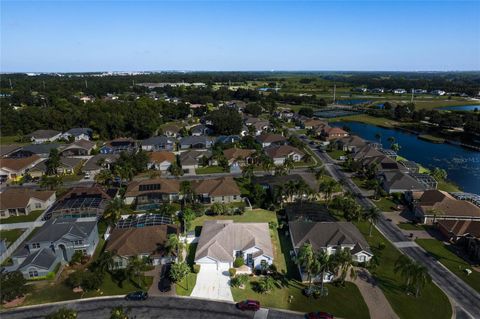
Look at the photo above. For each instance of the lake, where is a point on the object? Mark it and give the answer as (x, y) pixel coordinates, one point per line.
(460, 108)
(461, 164)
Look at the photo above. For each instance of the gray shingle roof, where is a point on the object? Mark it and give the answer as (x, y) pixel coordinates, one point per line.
(158, 140)
(40, 148)
(77, 131)
(54, 230)
(44, 258)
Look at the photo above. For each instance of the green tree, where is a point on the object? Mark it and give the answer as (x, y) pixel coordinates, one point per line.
(439, 174)
(308, 262)
(327, 187)
(13, 285)
(53, 162)
(372, 215)
(420, 278)
(404, 266)
(344, 263)
(134, 269)
(104, 177)
(114, 211)
(326, 263)
(173, 246)
(50, 182)
(266, 284)
(179, 271)
(188, 215)
(186, 191)
(395, 147)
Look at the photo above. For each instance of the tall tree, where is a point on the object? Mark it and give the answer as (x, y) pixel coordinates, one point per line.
(372, 215)
(53, 162)
(114, 211)
(308, 262)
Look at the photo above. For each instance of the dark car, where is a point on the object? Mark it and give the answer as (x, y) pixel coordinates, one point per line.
(137, 295)
(165, 284)
(248, 305)
(318, 315)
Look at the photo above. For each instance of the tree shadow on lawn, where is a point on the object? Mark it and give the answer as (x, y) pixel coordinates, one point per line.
(390, 285)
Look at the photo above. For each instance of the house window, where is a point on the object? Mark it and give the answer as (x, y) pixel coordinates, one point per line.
(33, 273)
(35, 245)
(38, 205)
(234, 197)
(84, 251)
(117, 264)
(263, 263)
(78, 242)
(3, 213)
(223, 198)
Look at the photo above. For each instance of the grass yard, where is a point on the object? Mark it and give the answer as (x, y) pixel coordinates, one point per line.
(385, 204)
(110, 288)
(13, 139)
(449, 259)
(23, 218)
(336, 154)
(185, 287)
(432, 303)
(344, 302)
(363, 118)
(209, 170)
(448, 186)
(10, 236)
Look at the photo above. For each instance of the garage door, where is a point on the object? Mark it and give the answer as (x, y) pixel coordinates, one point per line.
(215, 266)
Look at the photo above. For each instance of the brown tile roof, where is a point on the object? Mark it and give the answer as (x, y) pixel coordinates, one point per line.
(167, 186)
(18, 164)
(159, 157)
(271, 138)
(19, 197)
(93, 190)
(282, 151)
(334, 131)
(135, 241)
(461, 227)
(224, 186)
(234, 153)
(314, 123)
(445, 204)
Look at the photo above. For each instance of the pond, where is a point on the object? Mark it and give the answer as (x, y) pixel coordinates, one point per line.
(461, 164)
(460, 108)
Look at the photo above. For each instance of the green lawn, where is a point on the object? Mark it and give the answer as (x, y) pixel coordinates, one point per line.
(111, 288)
(363, 118)
(11, 236)
(185, 287)
(449, 259)
(344, 302)
(21, 219)
(14, 139)
(448, 186)
(209, 170)
(432, 303)
(336, 154)
(385, 204)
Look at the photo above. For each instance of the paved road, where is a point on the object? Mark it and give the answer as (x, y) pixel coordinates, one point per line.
(154, 307)
(466, 299)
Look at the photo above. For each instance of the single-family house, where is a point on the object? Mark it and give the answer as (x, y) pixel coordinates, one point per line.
(119, 145)
(436, 205)
(78, 133)
(259, 126)
(222, 241)
(350, 143)
(398, 182)
(68, 166)
(152, 192)
(160, 161)
(218, 190)
(200, 130)
(270, 139)
(22, 201)
(56, 241)
(172, 130)
(44, 136)
(457, 230)
(329, 133)
(310, 124)
(158, 143)
(81, 148)
(95, 164)
(238, 155)
(279, 153)
(142, 242)
(15, 168)
(329, 237)
(197, 142)
(7, 150)
(192, 159)
(42, 150)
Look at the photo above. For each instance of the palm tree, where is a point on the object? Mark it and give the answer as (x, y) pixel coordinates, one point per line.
(404, 266)
(327, 264)
(186, 191)
(320, 173)
(125, 172)
(104, 262)
(289, 164)
(266, 284)
(280, 170)
(247, 171)
(327, 188)
(104, 177)
(372, 216)
(267, 164)
(395, 147)
(307, 261)
(420, 278)
(344, 263)
(114, 211)
(173, 245)
(134, 269)
(289, 189)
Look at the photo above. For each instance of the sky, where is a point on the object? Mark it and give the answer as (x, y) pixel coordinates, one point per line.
(80, 36)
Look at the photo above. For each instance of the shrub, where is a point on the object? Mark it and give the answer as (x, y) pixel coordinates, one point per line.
(238, 262)
(196, 269)
(232, 272)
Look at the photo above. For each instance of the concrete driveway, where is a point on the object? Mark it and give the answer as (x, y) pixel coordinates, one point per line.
(212, 284)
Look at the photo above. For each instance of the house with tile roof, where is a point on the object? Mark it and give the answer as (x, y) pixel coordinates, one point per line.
(78, 148)
(56, 241)
(160, 161)
(22, 201)
(142, 242)
(95, 164)
(279, 153)
(218, 190)
(329, 133)
(192, 159)
(222, 241)
(435, 205)
(68, 166)
(152, 191)
(15, 168)
(44, 136)
(329, 237)
(271, 139)
(239, 155)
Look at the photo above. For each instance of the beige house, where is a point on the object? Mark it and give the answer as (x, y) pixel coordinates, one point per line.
(22, 201)
(218, 190)
(15, 168)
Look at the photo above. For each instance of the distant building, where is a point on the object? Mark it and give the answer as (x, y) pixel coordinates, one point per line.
(44, 136)
(78, 133)
(399, 91)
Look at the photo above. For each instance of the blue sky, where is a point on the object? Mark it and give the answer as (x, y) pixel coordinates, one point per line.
(66, 36)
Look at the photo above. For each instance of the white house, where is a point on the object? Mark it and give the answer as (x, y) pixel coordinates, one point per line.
(222, 241)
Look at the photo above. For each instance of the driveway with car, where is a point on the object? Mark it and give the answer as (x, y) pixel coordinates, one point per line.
(213, 283)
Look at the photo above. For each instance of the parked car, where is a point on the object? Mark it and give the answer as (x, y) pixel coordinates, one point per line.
(318, 315)
(248, 305)
(165, 284)
(137, 295)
